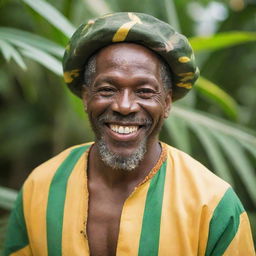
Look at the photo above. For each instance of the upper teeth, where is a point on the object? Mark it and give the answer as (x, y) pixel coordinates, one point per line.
(123, 129)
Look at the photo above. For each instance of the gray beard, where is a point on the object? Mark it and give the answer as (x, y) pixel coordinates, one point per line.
(118, 162)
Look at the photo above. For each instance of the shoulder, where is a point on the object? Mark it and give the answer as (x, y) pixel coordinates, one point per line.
(193, 180)
(184, 165)
(222, 215)
(46, 170)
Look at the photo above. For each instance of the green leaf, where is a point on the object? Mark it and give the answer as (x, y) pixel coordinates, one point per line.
(221, 40)
(240, 162)
(179, 131)
(7, 198)
(219, 96)
(216, 124)
(41, 57)
(171, 14)
(250, 148)
(52, 15)
(44, 59)
(6, 50)
(10, 52)
(214, 153)
(16, 35)
(98, 7)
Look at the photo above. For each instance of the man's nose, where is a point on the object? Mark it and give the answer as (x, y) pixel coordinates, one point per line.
(125, 103)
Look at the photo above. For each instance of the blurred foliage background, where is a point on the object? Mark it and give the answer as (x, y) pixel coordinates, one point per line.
(39, 117)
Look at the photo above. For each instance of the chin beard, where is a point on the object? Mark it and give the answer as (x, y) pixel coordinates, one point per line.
(119, 162)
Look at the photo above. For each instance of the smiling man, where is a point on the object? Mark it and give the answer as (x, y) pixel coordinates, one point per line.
(127, 193)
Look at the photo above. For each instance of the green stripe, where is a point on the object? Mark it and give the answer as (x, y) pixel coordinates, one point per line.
(56, 201)
(17, 237)
(224, 223)
(149, 239)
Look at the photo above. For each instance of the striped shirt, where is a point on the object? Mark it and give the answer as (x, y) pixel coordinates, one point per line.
(181, 208)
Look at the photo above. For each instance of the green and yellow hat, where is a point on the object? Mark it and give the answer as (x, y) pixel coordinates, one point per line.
(139, 28)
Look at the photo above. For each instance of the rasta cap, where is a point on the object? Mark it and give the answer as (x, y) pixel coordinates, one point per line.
(132, 27)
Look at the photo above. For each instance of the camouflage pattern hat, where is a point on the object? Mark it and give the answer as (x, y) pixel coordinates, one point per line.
(139, 28)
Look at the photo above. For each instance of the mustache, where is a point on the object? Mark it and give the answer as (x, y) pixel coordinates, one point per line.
(111, 118)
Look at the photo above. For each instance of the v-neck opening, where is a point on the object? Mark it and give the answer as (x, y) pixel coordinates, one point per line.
(146, 180)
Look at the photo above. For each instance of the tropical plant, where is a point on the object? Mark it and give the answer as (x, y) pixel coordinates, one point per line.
(207, 124)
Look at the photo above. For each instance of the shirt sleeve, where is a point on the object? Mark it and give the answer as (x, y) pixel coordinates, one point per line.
(242, 244)
(17, 242)
(229, 230)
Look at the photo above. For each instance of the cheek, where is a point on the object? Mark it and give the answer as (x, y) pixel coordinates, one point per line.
(155, 108)
(98, 104)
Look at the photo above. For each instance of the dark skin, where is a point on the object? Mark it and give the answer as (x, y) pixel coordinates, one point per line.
(127, 83)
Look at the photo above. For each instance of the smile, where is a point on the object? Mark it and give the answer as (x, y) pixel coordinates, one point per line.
(123, 129)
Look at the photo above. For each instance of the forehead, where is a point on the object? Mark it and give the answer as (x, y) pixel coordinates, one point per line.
(127, 57)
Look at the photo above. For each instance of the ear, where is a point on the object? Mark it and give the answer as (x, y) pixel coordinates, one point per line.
(84, 95)
(168, 103)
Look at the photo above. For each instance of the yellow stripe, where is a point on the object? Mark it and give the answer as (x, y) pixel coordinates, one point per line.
(131, 221)
(75, 211)
(134, 17)
(184, 205)
(186, 74)
(187, 78)
(106, 15)
(70, 75)
(242, 244)
(35, 196)
(23, 252)
(123, 31)
(184, 59)
(185, 85)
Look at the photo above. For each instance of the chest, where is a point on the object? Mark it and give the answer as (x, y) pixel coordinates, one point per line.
(104, 214)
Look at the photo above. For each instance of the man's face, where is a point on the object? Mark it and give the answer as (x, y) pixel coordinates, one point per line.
(126, 103)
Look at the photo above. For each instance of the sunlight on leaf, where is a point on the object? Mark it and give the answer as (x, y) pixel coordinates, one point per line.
(10, 52)
(43, 58)
(221, 40)
(15, 36)
(98, 7)
(52, 15)
(219, 96)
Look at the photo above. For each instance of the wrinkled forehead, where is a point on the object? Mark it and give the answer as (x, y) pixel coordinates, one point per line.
(127, 55)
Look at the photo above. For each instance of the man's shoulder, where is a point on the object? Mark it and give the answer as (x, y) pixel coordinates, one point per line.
(194, 175)
(47, 169)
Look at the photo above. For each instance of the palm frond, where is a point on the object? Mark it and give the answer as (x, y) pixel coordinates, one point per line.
(17, 36)
(216, 133)
(222, 40)
(217, 95)
(9, 52)
(52, 15)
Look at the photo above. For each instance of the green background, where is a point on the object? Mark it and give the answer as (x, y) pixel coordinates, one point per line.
(39, 117)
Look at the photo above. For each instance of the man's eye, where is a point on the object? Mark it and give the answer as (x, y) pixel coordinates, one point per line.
(145, 93)
(106, 91)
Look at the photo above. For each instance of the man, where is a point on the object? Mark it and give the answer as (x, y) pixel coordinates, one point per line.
(127, 193)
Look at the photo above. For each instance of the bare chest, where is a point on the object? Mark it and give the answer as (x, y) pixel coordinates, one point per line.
(104, 213)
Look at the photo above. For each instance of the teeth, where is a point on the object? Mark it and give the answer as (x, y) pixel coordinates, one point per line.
(126, 130)
(123, 129)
